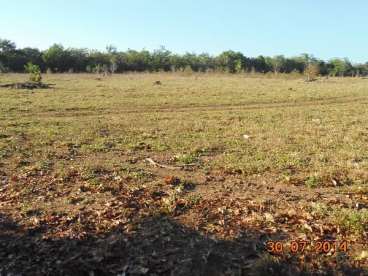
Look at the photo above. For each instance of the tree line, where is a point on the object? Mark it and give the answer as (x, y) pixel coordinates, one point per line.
(60, 59)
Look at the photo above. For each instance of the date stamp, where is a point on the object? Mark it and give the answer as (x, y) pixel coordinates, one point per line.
(300, 246)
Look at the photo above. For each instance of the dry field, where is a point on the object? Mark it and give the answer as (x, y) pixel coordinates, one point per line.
(193, 176)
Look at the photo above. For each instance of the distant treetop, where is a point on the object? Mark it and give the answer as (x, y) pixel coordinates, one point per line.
(59, 59)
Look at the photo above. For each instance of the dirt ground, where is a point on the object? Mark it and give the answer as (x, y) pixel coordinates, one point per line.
(201, 175)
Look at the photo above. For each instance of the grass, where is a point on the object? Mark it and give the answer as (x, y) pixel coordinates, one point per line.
(307, 141)
(203, 112)
(352, 220)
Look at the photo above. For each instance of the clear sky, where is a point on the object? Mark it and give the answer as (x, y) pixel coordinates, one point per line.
(324, 28)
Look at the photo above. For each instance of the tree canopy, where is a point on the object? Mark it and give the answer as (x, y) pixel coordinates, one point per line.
(59, 59)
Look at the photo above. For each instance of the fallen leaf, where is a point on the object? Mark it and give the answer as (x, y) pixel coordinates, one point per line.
(269, 217)
(307, 227)
(362, 256)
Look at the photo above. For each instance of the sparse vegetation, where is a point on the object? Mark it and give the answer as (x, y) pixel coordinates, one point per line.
(311, 71)
(34, 72)
(236, 160)
(353, 221)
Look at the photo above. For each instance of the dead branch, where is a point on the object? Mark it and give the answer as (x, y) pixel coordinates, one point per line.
(155, 164)
(28, 85)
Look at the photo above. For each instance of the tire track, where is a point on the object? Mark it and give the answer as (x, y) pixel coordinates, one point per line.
(198, 108)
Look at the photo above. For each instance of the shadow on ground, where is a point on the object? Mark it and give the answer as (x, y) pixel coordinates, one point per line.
(158, 246)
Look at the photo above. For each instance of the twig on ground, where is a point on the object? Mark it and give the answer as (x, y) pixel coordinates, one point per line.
(154, 163)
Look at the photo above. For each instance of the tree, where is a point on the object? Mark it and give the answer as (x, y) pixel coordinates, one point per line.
(6, 46)
(338, 67)
(191, 62)
(76, 59)
(111, 49)
(323, 67)
(177, 63)
(13, 59)
(3, 69)
(232, 62)
(55, 58)
(259, 64)
(277, 63)
(7, 52)
(161, 59)
(112, 53)
(135, 61)
(96, 58)
(113, 64)
(205, 62)
(361, 69)
(349, 68)
(33, 55)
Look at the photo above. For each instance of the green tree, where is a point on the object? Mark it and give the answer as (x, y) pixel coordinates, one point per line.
(76, 59)
(3, 69)
(259, 64)
(6, 46)
(277, 63)
(232, 62)
(55, 58)
(136, 61)
(161, 59)
(338, 67)
(33, 55)
(177, 63)
(59, 59)
(7, 52)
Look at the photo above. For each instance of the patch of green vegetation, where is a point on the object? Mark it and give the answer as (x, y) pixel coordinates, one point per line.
(135, 173)
(359, 187)
(194, 199)
(23, 163)
(94, 171)
(5, 152)
(320, 210)
(186, 158)
(26, 209)
(161, 147)
(139, 146)
(352, 221)
(312, 181)
(99, 145)
(44, 165)
(140, 174)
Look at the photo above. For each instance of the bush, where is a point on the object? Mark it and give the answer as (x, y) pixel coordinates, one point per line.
(311, 71)
(188, 70)
(34, 72)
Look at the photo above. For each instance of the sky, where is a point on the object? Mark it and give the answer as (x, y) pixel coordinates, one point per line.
(324, 28)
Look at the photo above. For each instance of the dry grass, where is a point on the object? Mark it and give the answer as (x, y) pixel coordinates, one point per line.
(308, 139)
(317, 129)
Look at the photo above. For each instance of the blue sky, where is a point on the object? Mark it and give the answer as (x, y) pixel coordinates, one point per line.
(324, 28)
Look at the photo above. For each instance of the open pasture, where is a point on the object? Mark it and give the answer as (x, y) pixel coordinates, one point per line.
(190, 175)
